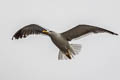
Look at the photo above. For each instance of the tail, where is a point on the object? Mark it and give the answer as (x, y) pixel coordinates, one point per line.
(62, 56)
(75, 50)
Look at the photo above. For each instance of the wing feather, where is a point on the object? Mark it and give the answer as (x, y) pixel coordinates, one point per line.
(82, 30)
(28, 30)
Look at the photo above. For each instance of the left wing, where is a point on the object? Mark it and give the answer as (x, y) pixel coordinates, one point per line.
(82, 30)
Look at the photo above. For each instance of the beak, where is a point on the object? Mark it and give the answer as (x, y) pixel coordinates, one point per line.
(45, 31)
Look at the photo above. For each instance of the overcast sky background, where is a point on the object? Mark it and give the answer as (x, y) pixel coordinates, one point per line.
(35, 57)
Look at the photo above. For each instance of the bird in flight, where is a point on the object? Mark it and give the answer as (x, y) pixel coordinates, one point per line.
(61, 40)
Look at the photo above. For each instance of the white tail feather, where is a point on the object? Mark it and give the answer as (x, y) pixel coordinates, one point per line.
(62, 56)
(75, 50)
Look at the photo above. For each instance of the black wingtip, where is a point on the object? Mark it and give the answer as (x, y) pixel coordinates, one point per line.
(114, 33)
(12, 38)
(15, 37)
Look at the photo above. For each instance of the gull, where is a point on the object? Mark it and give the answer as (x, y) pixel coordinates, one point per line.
(61, 40)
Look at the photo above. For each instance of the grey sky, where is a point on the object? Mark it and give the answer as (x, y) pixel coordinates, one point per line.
(35, 58)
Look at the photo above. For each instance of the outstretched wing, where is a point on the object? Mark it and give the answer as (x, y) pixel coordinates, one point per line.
(28, 30)
(83, 29)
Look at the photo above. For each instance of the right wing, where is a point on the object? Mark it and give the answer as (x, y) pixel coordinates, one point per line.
(28, 30)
